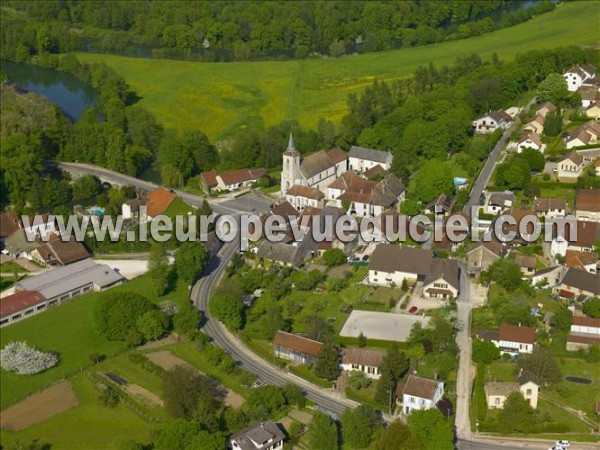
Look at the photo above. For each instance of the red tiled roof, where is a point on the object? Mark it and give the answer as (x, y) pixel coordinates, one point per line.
(362, 356)
(420, 387)
(19, 301)
(158, 201)
(585, 321)
(588, 200)
(305, 191)
(209, 178)
(566, 294)
(514, 333)
(241, 175)
(337, 155)
(9, 223)
(579, 260)
(297, 343)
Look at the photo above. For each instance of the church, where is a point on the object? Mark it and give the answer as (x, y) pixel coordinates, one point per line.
(317, 170)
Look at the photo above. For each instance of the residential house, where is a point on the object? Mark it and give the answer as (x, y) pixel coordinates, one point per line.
(492, 121)
(157, 203)
(530, 140)
(301, 196)
(131, 208)
(496, 393)
(375, 171)
(570, 166)
(40, 225)
(580, 238)
(296, 348)
(585, 332)
(18, 245)
(316, 170)
(536, 125)
(513, 339)
(587, 261)
(548, 276)
(590, 95)
(362, 159)
(233, 180)
(522, 226)
(577, 75)
(392, 264)
(443, 204)
(208, 181)
(498, 202)
(285, 254)
(593, 111)
(59, 252)
(9, 223)
(441, 281)
(545, 108)
(482, 255)
(550, 207)
(587, 205)
(419, 393)
(587, 134)
(260, 436)
(527, 264)
(579, 284)
(363, 360)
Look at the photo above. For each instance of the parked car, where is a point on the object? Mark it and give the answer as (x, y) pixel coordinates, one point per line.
(258, 384)
(413, 309)
(563, 444)
(365, 258)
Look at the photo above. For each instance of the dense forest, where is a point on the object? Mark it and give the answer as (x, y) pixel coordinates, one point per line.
(243, 30)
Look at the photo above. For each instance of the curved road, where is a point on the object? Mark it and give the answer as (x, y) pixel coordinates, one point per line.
(200, 295)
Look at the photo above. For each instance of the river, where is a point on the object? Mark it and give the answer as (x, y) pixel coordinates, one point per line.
(69, 93)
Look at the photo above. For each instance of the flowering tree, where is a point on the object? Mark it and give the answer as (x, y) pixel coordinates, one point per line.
(18, 357)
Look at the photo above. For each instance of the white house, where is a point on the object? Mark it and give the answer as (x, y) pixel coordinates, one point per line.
(530, 140)
(491, 121)
(393, 264)
(260, 436)
(496, 393)
(545, 108)
(536, 125)
(570, 166)
(587, 134)
(576, 76)
(296, 348)
(585, 331)
(550, 207)
(363, 360)
(498, 202)
(513, 339)
(442, 279)
(548, 277)
(302, 196)
(587, 205)
(232, 180)
(419, 393)
(362, 159)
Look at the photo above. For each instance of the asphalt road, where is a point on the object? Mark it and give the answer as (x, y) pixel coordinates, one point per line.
(200, 295)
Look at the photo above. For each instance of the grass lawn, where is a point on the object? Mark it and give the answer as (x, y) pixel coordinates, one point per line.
(501, 371)
(220, 98)
(178, 208)
(11, 266)
(88, 425)
(68, 329)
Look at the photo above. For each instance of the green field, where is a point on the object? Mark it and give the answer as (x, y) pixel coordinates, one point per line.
(219, 98)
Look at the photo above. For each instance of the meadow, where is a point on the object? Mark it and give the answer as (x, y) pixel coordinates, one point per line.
(220, 98)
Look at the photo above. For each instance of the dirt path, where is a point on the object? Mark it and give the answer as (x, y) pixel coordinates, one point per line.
(170, 339)
(168, 360)
(39, 407)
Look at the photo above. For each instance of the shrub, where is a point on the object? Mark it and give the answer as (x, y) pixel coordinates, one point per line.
(334, 257)
(18, 357)
(358, 380)
(146, 364)
(108, 397)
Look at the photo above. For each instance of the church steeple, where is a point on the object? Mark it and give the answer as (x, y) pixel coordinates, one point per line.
(290, 174)
(291, 149)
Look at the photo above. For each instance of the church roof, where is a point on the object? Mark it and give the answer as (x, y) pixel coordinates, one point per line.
(316, 163)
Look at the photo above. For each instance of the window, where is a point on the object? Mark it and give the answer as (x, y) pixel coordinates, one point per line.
(497, 401)
(528, 392)
(411, 399)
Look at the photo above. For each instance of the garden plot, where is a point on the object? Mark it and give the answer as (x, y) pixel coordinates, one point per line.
(39, 407)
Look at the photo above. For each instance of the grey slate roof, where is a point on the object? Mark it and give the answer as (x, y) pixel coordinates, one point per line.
(387, 191)
(391, 258)
(258, 436)
(447, 269)
(55, 283)
(316, 163)
(581, 279)
(370, 154)
(283, 253)
(17, 242)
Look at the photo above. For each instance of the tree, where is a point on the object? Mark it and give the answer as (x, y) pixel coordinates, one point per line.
(554, 89)
(270, 398)
(328, 362)
(362, 340)
(187, 320)
(485, 351)
(591, 307)
(158, 268)
(517, 415)
(322, 432)
(431, 428)
(358, 380)
(293, 395)
(116, 314)
(153, 324)
(513, 175)
(176, 433)
(397, 436)
(337, 48)
(191, 259)
(334, 257)
(534, 158)
(506, 273)
(18, 357)
(553, 124)
(317, 328)
(542, 364)
(186, 391)
(85, 187)
(562, 319)
(229, 309)
(392, 366)
(433, 179)
(358, 426)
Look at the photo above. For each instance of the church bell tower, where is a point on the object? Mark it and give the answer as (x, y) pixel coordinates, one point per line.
(290, 174)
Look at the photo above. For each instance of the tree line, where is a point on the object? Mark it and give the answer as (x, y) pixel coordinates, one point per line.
(244, 30)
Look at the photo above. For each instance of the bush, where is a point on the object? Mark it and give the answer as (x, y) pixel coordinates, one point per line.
(334, 257)
(146, 364)
(19, 358)
(358, 380)
(108, 397)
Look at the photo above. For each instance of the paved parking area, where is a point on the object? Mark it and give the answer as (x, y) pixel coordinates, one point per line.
(381, 325)
(250, 203)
